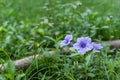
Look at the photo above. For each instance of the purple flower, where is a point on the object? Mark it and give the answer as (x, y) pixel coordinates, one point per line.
(96, 46)
(66, 41)
(83, 45)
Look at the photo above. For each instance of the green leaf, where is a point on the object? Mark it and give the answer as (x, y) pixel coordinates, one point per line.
(72, 55)
(88, 59)
(91, 74)
(105, 27)
(50, 38)
(20, 76)
(10, 67)
(9, 76)
(43, 78)
(2, 77)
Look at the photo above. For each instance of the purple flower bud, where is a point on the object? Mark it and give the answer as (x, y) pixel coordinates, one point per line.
(83, 45)
(66, 41)
(96, 46)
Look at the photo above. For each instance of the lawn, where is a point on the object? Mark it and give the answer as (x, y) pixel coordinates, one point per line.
(31, 27)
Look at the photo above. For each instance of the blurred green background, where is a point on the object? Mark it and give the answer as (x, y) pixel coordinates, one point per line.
(27, 25)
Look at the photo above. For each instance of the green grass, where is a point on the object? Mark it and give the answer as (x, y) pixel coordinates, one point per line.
(30, 27)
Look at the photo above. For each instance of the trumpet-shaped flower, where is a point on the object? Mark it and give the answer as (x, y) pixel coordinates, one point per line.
(96, 46)
(66, 41)
(83, 45)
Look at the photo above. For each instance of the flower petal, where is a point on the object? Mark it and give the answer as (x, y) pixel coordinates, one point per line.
(76, 46)
(82, 51)
(80, 39)
(68, 37)
(64, 43)
(96, 46)
(89, 47)
(87, 39)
